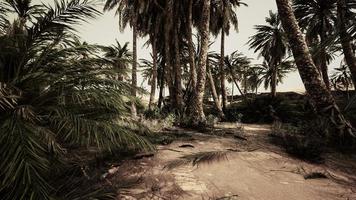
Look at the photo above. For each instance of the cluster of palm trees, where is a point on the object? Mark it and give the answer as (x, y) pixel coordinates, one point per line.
(326, 25)
(309, 70)
(58, 98)
(58, 94)
(170, 26)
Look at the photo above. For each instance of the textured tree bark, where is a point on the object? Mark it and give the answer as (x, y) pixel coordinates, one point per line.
(197, 115)
(350, 57)
(177, 69)
(245, 84)
(321, 97)
(214, 93)
(134, 68)
(234, 78)
(323, 62)
(274, 80)
(161, 86)
(232, 93)
(193, 71)
(154, 72)
(222, 70)
(168, 58)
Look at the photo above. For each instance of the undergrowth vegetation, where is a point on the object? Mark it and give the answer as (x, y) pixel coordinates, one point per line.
(60, 109)
(304, 141)
(266, 109)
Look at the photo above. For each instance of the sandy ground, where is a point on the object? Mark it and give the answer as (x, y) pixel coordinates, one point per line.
(252, 170)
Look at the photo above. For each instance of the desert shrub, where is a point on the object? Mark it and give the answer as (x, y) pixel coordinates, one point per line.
(350, 109)
(211, 120)
(306, 140)
(265, 109)
(153, 114)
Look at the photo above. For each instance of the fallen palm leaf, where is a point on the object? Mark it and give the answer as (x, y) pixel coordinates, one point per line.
(196, 159)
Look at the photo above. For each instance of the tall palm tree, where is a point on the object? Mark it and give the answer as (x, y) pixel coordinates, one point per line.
(213, 91)
(254, 79)
(191, 48)
(223, 16)
(266, 72)
(317, 18)
(345, 20)
(234, 63)
(149, 74)
(24, 10)
(197, 115)
(168, 24)
(321, 97)
(177, 38)
(128, 12)
(270, 41)
(120, 57)
(150, 23)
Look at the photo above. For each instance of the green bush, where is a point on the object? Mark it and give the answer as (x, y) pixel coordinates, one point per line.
(306, 140)
(265, 109)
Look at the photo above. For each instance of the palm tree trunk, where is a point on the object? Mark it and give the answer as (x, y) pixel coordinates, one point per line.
(315, 87)
(154, 73)
(222, 70)
(274, 81)
(197, 115)
(161, 86)
(350, 57)
(214, 93)
(323, 64)
(193, 71)
(232, 93)
(245, 84)
(167, 52)
(234, 78)
(178, 70)
(134, 69)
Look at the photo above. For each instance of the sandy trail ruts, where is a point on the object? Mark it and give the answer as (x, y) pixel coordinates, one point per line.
(250, 172)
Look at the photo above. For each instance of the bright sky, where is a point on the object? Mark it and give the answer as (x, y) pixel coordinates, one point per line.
(104, 30)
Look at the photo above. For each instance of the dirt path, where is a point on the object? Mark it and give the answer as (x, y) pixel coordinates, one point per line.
(252, 170)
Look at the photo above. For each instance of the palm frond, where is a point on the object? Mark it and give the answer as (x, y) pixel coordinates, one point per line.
(197, 159)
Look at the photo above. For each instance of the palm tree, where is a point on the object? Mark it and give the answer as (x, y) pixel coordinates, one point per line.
(213, 91)
(266, 72)
(270, 41)
(211, 63)
(191, 49)
(342, 79)
(197, 115)
(54, 101)
(24, 10)
(321, 97)
(128, 12)
(120, 57)
(317, 17)
(150, 23)
(168, 24)
(149, 74)
(346, 20)
(234, 63)
(254, 79)
(223, 15)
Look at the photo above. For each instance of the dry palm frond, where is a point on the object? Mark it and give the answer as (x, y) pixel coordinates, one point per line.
(196, 159)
